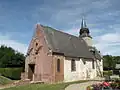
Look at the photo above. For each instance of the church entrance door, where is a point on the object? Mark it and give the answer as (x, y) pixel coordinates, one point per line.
(31, 71)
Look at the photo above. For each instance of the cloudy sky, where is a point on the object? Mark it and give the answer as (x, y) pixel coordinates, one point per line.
(18, 19)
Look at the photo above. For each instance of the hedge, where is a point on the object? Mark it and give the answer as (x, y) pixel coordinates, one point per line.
(107, 73)
(12, 73)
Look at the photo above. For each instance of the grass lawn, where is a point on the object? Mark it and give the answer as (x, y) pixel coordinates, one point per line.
(4, 80)
(60, 86)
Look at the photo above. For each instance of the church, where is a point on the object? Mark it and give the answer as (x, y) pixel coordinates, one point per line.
(55, 56)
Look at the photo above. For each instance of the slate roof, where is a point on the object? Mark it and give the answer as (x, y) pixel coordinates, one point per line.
(67, 44)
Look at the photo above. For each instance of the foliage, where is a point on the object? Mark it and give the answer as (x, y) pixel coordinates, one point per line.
(60, 86)
(4, 80)
(11, 58)
(99, 86)
(89, 88)
(109, 61)
(114, 85)
(107, 73)
(12, 73)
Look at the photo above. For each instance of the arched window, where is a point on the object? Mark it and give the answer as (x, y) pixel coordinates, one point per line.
(58, 65)
(73, 65)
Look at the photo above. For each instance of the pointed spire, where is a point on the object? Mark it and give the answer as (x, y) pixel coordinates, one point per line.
(83, 23)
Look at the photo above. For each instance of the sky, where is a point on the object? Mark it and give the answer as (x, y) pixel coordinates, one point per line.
(18, 19)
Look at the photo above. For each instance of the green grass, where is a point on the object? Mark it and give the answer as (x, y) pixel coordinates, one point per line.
(4, 80)
(60, 86)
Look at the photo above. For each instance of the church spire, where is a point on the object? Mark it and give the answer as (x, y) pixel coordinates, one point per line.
(84, 31)
(83, 23)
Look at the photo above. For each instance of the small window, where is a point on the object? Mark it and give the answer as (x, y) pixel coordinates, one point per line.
(73, 65)
(36, 44)
(93, 66)
(36, 52)
(58, 65)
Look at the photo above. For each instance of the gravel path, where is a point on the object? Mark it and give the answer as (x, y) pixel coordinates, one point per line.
(81, 86)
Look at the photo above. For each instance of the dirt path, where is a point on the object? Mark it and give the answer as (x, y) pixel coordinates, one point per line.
(81, 86)
(7, 86)
(16, 83)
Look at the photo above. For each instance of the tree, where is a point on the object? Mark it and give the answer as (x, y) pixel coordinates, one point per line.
(11, 58)
(109, 61)
(116, 59)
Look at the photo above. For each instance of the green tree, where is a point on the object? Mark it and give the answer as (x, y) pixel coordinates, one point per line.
(110, 61)
(11, 58)
(116, 59)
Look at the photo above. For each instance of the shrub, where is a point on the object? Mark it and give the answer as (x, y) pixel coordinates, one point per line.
(107, 73)
(90, 88)
(12, 73)
(113, 85)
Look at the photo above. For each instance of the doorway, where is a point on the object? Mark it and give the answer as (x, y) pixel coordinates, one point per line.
(31, 69)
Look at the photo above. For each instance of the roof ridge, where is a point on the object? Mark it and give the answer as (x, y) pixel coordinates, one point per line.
(61, 31)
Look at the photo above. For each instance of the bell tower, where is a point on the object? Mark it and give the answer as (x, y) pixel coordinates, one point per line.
(85, 33)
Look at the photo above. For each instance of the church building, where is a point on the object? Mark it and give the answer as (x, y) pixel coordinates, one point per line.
(56, 56)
